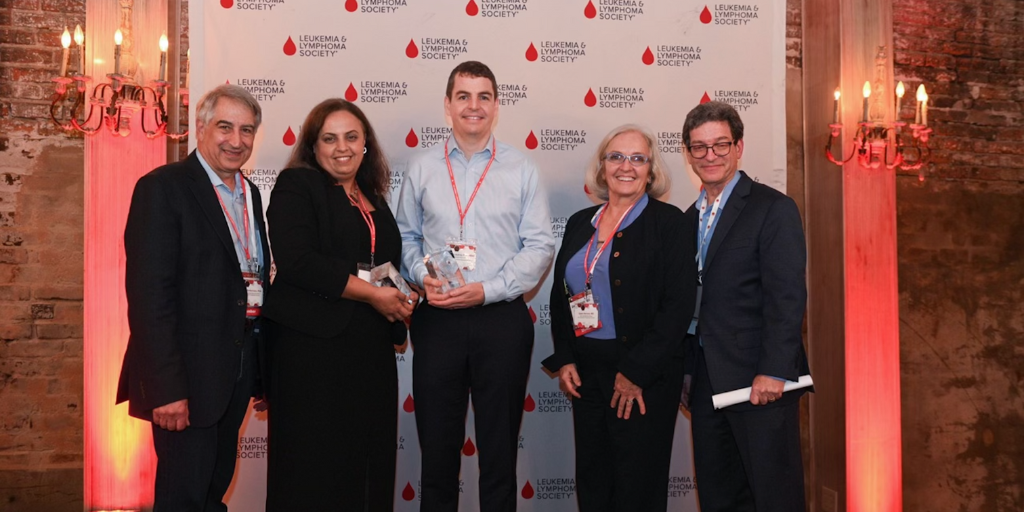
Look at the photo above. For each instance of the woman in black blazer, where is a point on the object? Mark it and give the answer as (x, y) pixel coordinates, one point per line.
(333, 387)
(625, 375)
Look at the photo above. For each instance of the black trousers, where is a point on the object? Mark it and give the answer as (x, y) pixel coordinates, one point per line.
(622, 465)
(745, 461)
(195, 466)
(486, 349)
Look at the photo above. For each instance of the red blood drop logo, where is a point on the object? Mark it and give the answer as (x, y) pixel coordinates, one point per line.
(289, 47)
(408, 494)
(529, 405)
(411, 140)
(227, 3)
(412, 51)
(472, 9)
(533, 314)
(704, 99)
(648, 57)
(351, 5)
(531, 143)
(531, 53)
(351, 94)
(227, 82)
(408, 405)
(289, 137)
(589, 11)
(705, 16)
(527, 491)
(590, 100)
(469, 448)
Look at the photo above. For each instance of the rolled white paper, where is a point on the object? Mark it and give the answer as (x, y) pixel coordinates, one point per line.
(739, 396)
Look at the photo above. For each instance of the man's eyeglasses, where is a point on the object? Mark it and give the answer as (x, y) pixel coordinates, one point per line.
(720, 149)
(635, 160)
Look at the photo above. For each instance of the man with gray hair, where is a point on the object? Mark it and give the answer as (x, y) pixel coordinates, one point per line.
(197, 261)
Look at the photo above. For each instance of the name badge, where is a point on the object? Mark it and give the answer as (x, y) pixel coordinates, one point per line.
(254, 294)
(464, 251)
(585, 318)
(363, 272)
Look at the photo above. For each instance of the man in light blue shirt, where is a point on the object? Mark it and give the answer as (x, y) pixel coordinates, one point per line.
(473, 192)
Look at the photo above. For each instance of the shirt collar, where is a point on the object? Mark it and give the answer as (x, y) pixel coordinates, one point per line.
(726, 192)
(216, 180)
(453, 148)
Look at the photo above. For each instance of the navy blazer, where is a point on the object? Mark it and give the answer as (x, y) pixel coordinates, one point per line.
(754, 293)
(653, 277)
(186, 295)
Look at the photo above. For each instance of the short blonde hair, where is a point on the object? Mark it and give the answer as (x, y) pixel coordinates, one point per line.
(660, 182)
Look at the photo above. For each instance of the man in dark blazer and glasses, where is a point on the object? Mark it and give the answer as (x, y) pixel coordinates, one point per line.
(197, 261)
(747, 329)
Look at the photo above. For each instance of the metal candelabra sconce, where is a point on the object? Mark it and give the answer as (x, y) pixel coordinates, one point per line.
(114, 102)
(873, 140)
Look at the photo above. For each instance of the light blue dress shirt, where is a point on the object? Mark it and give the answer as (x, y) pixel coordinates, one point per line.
(600, 286)
(509, 217)
(235, 203)
(704, 241)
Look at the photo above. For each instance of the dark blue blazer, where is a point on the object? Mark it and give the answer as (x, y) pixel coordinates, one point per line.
(755, 292)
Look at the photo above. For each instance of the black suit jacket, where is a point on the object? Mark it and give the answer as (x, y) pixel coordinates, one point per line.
(186, 295)
(755, 292)
(312, 271)
(653, 281)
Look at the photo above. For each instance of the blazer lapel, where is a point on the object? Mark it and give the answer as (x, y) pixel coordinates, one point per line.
(261, 227)
(206, 196)
(733, 208)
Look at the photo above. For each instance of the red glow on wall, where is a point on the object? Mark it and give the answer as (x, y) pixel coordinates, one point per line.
(873, 432)
(120, 465)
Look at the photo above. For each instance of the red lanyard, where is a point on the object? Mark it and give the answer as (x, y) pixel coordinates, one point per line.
(589, 269)
(368, 217)
(245, 218)
(451, 174)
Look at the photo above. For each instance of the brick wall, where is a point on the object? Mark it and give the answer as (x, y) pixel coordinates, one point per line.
(961, 258)
(41, 229)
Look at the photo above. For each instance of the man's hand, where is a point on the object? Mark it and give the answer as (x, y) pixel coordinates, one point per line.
(624, 395)
(569, 380)
(466, 296)
(765, 390)
(173, 416)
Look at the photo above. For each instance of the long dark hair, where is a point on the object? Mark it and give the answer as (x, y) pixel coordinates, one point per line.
(374, 173)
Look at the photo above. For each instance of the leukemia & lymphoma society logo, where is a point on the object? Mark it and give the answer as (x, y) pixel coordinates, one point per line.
(374, 6)
(614, 97)
(681, 486)
(429, 135)
(741, 100)
(671, 55)
(377, 91)
(670, 142)
(511, 94)
(563, 488)
(437, 48)
(614, 10)
(263, 89)
(262, 178)
(561, 52)
(315, 45)
(556, 139)
(495, 8)
(730, 14)
(252, 447)
(251, 5)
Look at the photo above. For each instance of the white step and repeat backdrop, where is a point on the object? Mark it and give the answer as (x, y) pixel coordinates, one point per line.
(568, 71)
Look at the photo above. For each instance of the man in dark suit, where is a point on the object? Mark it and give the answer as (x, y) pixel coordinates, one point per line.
(197, 260)
(747, 329)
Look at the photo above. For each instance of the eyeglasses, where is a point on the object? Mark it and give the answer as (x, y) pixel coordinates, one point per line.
(636, 160)
(720, 149)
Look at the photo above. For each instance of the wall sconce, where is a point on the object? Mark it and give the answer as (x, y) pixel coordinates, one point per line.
(872, 141)
(114, 102)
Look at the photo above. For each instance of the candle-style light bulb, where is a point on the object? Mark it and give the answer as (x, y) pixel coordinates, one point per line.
(118, 39)
(867, 94)
(79, 35)
(900, 90)
(924, 105)
(65, 41)
(163, 56)
(835, 107)
(188, 66)
(80, 41)
(921, 95)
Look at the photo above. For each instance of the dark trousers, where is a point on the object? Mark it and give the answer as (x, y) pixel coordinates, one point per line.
(486, 349)
(195, 466)
(745, 461)
(622, 465)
